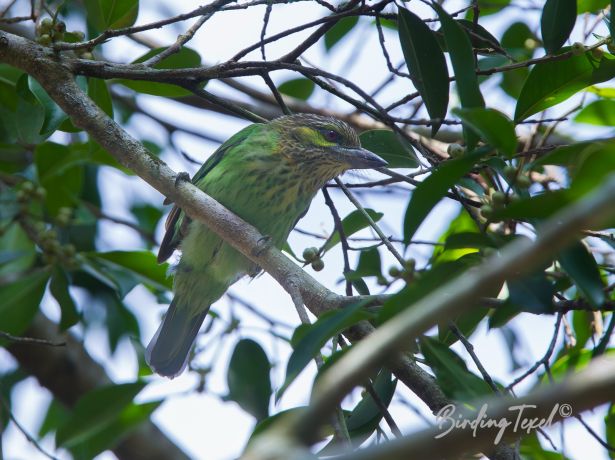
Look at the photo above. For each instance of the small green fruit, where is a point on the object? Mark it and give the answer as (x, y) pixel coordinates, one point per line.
(486, 211)
(394, 272)
(577, 48)
(309, 254)
(318, 265)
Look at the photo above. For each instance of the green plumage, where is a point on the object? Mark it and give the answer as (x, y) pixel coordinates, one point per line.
(267, 174)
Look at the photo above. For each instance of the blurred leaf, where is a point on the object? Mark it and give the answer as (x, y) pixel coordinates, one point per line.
(466, 323)
(609, 422)
(591, 6)
(369, 263)
(99, 93)
(56, 415)
(462, 59)
(451, 372)
(20, 301)
(339, 31)
(29, 115)
(611, 22)
(325, 327)
(581, 267)
(119, 320)
(426, 64)
(552, 82)
(111, 14)
(601, 113)
(351, 224)
(54, 115)
(263, 425)
(300, 88)
(185, 58)
(15, 241)
(480, 38)
(556, 23)
(59, 289)
(453, 249)
(248, 378)
(492, 126)
(143, 264)
(147, 216)
(532, 293)
(531, 449)
(390, 147)
(429, 192)
(95, 411)
(488, 7)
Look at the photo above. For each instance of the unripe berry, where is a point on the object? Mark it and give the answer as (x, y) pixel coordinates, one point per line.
(318, 265)
(455, 150)
(394, 272)
(410, 265)
(498, 198)
(577, 48)
(597, 53)
(45, 26)
(87, 55)
(60, 27)
(44, 39)
(40, 193)
(510, 172)
(486, 211)
(27, 187)
(309, 254)
(524, 181)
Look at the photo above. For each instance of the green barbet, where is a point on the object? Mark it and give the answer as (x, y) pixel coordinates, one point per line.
(267, 174)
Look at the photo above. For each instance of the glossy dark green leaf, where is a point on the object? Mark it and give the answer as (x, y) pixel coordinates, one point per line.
(601, 113)
(185, 58)
(29, 114)
(59, 289)
(248, 378)
(388, 145)
(429, 192)
(581, 267)
(426, 64)
(556, 23)
(96, 410)
(299, 88)
(552, 82)
(462, 59)
(495, 128)
(538, 206)
(20, 301)
(351, 224)
(326, 327)
(488, 7)
(480, 38)
(339, 31)
(111, 14)
(369, 263)
(451, 372)
(99, 93)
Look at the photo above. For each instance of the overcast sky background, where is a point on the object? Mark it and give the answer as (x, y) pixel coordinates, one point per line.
(202, 424)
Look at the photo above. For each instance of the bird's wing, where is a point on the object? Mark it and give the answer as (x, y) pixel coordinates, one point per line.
(177, 222)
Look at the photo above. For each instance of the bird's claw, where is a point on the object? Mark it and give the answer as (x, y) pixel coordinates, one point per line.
(262, 245)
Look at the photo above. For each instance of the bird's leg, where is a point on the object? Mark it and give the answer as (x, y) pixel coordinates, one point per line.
(263, 243)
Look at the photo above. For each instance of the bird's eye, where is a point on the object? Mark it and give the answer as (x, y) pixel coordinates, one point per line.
(331, 135)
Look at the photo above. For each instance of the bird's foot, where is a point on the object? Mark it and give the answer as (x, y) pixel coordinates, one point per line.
(262, 245)
(182, 177)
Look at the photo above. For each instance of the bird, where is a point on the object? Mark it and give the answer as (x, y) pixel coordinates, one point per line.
(267, 174)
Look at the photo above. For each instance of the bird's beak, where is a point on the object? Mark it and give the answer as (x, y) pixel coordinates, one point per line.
(359, 158)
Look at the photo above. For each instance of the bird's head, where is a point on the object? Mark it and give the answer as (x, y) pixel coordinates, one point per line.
(325, 144)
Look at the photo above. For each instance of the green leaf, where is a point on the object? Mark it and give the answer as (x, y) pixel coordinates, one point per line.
(141, 263)
(556, 23)
(185, 58)
(351, 224)
(99, 93)
(533, 293)
(426, 64)
(462, 59)
(389, 146)
(248, 378)
(339, 31)
(127, 421)
(14, 240)
(29, 114)
(601, 113)
(492, 126)
(299, 88)
(581, 267)
(95, 411)
(552, 82)
(591, 6)
(56, 415)
(59, 289)
(60, 171)
(20, 301)
(609, 422)
(111, 14)
(611, 22)
(488, 7)
(54, 115)
(451, 372)
(429, 192)
(327, 326)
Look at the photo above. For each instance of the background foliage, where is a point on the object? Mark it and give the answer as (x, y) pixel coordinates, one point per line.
(510, 121)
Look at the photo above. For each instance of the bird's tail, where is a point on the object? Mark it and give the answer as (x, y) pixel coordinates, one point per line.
(167, 353)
